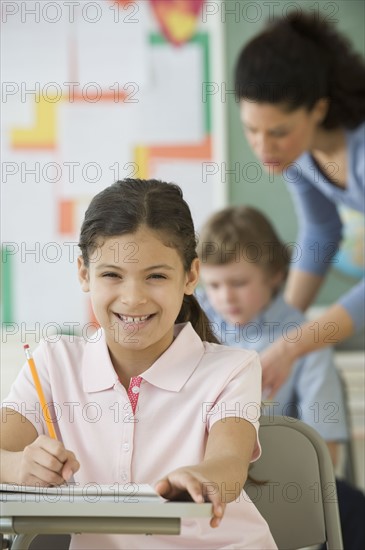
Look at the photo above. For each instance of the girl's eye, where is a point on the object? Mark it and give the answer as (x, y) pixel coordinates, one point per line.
(111, 275)
(157, 276)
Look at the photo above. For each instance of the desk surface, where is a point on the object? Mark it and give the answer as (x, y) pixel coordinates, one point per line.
(159, 509)
(28, 519)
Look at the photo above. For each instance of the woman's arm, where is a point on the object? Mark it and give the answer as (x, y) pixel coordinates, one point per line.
(301, 288)
(319, 235)
(332, 327)
(223, 472)
(28, 458)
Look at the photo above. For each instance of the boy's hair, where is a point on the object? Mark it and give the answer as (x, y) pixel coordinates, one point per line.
(298, 59)
(242, 232)
(128, 204)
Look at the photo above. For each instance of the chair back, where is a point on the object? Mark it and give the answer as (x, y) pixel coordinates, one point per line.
(298, 499)
(349, 470)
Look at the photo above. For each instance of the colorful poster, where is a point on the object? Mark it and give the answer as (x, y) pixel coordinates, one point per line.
(92, 95)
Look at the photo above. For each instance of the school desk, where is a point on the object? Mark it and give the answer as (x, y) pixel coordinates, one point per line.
(29, 519)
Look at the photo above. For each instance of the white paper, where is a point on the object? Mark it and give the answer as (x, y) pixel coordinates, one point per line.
(114, 47)
(74, 492)
(171, 108)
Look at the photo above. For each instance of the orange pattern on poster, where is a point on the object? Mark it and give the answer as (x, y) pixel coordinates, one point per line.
(66, 217)
(177, 18)
(202, 150)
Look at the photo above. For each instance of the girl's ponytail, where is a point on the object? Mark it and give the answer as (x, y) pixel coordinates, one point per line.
(191, 311)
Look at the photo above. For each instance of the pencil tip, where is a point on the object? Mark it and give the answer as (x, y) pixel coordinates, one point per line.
(26, 346)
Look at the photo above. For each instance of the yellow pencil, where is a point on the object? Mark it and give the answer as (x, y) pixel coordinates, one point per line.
(38, 387)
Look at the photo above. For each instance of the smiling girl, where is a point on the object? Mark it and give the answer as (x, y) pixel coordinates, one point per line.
(173, 404)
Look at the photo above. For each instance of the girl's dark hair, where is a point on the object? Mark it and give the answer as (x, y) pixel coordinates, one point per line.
(299, 59)
(243, 232)
(126, 205)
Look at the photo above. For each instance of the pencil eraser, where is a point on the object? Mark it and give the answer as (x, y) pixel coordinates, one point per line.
(26, 346)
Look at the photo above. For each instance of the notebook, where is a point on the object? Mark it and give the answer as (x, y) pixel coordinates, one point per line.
(75, 492)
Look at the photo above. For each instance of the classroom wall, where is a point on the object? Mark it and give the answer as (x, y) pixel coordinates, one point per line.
(103, 91)
(181, 139)
(241, 21)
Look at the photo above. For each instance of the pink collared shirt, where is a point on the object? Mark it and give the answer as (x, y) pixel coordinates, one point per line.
(188, 388)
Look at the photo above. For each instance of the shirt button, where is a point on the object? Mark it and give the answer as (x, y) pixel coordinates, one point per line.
(125, 447)
(124, 477)
(135, 389)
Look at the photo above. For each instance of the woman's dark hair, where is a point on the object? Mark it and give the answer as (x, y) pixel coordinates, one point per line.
(299, 59)
(126, 205)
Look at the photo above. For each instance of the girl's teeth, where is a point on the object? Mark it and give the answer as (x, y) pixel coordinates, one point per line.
(134, 319)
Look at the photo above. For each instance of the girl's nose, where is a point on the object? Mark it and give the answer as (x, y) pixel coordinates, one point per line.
(133, 295)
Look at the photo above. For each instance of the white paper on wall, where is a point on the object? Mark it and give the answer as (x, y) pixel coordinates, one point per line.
(35, 50)
(47, 290)
(114, 47)
(105, 135)
(171, 108)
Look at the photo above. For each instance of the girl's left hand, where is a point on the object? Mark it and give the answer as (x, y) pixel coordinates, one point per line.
(186, 484)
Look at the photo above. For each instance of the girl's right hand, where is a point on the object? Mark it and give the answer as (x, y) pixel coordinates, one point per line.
(46, 462)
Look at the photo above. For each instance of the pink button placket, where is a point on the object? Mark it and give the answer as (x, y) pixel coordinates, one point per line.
(133, 391)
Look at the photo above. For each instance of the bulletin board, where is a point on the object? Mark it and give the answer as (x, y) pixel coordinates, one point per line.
(94, 92)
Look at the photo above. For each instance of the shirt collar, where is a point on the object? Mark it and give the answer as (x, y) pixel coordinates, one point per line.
(98, 373)
(170, 371)
(274, 311)
(175, 366)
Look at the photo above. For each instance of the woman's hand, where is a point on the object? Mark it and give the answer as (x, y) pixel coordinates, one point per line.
(276, 362)
(188, 483)
(333, 326)
(45, 462)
